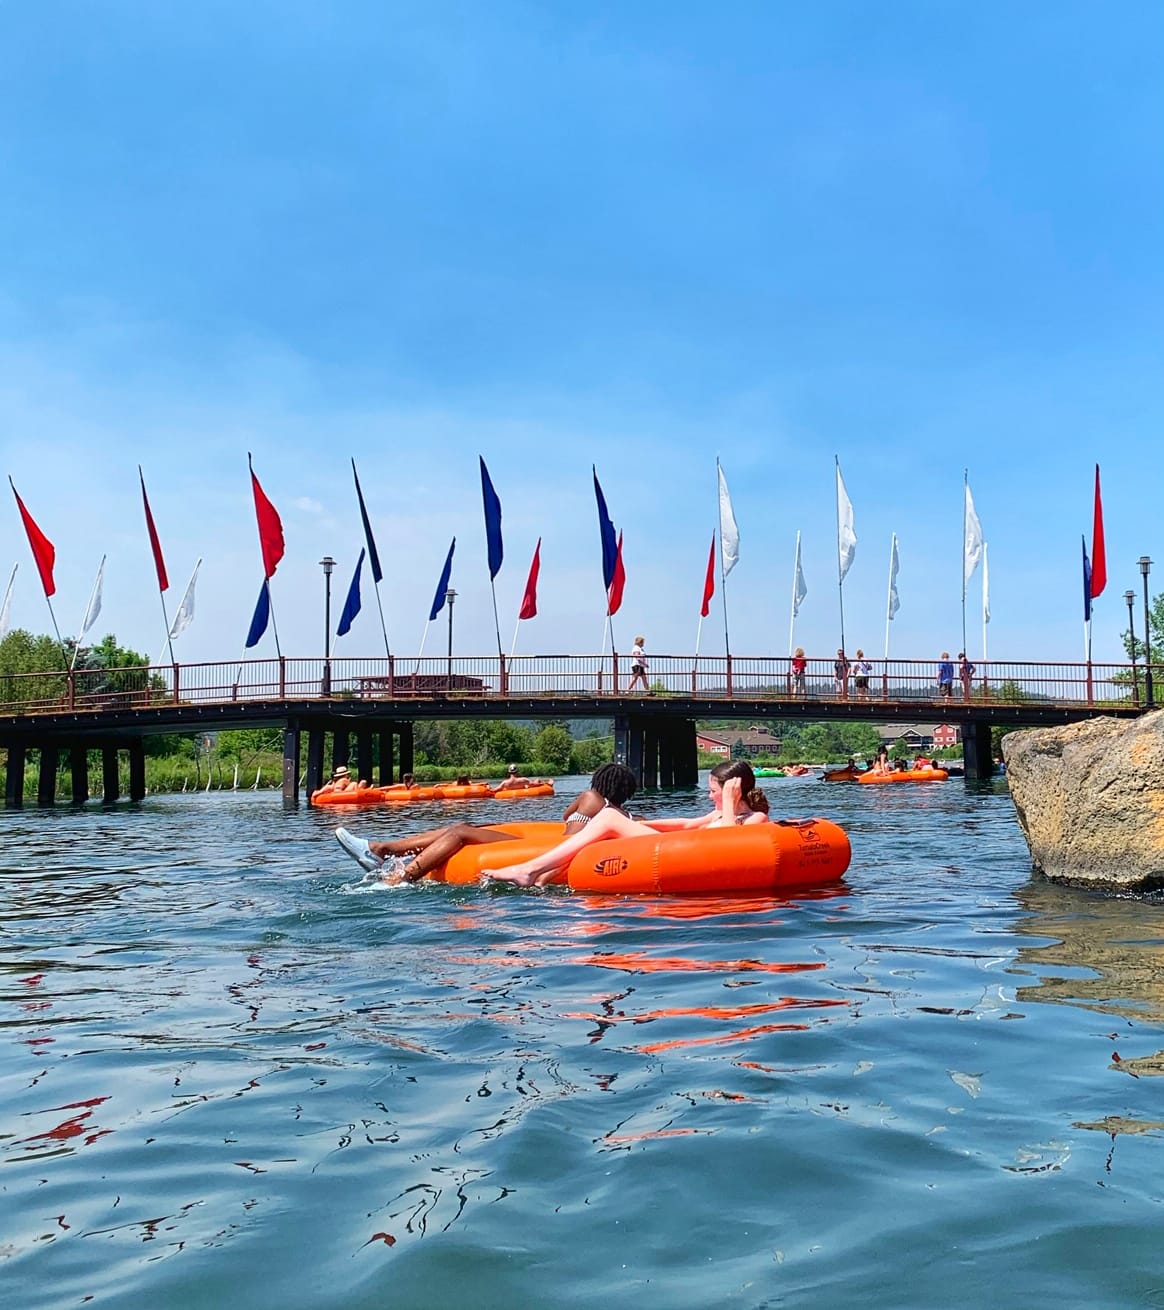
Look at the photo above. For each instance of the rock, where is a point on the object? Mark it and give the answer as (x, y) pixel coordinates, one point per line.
(1090, 799)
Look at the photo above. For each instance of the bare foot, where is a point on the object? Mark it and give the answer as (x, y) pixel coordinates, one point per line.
(518, 874)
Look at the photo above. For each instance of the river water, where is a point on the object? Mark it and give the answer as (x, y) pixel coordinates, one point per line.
(232, 1073)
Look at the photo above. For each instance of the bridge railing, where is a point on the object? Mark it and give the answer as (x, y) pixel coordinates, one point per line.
(553, 677)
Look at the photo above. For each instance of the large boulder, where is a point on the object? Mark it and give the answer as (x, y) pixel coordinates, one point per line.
(1090, 799)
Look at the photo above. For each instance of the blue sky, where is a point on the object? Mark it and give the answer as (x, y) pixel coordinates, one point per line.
(920, 237)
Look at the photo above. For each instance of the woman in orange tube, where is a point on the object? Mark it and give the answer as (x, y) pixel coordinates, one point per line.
(610, 788)
(726, 787)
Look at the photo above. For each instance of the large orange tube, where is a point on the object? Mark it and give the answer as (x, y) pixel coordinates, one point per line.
(524, 793)
(906, 775)
(762, 857)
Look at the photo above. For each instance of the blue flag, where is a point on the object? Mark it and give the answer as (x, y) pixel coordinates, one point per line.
(442, 591)
(1086, 583)
(609, 540)
(352, 604)
(373, 555)
(262, 615)
(492, 521)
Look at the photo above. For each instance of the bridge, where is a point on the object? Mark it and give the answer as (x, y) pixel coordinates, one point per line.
(372, 704)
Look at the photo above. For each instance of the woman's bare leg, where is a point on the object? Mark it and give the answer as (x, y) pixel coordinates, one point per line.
(607, 823)
(417, 841)
(452, 840)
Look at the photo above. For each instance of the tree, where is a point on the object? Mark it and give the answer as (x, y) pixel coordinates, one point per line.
(552, 747)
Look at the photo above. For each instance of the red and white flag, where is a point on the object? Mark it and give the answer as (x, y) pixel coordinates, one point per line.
(42, 549)
(709, 581)
(270, 526)
(1098, 550)
(617, 583)
(529, 602)
(155, 544)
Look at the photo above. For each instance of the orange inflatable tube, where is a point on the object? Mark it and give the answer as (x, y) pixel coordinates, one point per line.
(524, 793)
(754, 858)
(349, 796)
(453, 791)
(841, 775)
(906, 775)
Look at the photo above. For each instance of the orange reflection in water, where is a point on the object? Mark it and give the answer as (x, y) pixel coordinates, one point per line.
(76, 1125)
(639, 962)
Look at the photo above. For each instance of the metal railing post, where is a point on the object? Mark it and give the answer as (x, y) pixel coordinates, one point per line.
(282, 677)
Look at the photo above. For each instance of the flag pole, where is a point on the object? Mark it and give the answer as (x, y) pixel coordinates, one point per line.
(373, 558)
(156, 545)
(496, 620)
(840, 574)
(420, 653)
(965, 506)
(889, 599)
(513, 648)
(727, 648)
(985, 603)
(792, 617)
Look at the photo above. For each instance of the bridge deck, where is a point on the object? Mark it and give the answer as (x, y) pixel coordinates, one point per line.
(93, 703)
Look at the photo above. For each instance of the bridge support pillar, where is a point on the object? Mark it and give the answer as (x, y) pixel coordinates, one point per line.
(137, 787)
(686, 754)
(341, 748)
(46, 783)
(14, 777)
(384, 778)
(79, 771)
(364, 754)
(659, 751)
(976, 757)
(110, 782)
(406, 749)
(314, 779)
(291, 765)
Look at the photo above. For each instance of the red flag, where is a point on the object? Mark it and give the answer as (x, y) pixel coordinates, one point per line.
(617, 582)
(709, 581)
(42, 548)
(155, 544)
(270, 527)
(1098, 553)
(529, 602)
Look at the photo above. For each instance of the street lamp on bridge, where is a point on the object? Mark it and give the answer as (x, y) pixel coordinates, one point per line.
(1129, 600)
(327, 563)
(451, 596)
(1145, 565)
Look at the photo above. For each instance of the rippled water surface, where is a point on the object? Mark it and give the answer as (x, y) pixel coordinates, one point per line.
(231, 1073)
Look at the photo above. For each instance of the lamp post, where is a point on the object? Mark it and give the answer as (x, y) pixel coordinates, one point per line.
(452, 596)
(327, 564)
(1129, 600)
(1145, 565)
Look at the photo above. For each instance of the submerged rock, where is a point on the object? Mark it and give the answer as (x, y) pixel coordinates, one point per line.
(1090, 799)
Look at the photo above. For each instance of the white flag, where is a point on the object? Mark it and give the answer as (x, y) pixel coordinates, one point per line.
(846, 537)
(894, 600)
(94, 602)
(185, 614)
(985, 587)
(973, 551)
(799, 589)
(4, 613)
(729, 534)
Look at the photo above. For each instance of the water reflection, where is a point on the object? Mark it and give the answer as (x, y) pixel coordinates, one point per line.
(1101, 952)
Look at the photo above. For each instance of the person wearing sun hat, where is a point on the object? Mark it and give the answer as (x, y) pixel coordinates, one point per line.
(340, 780)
